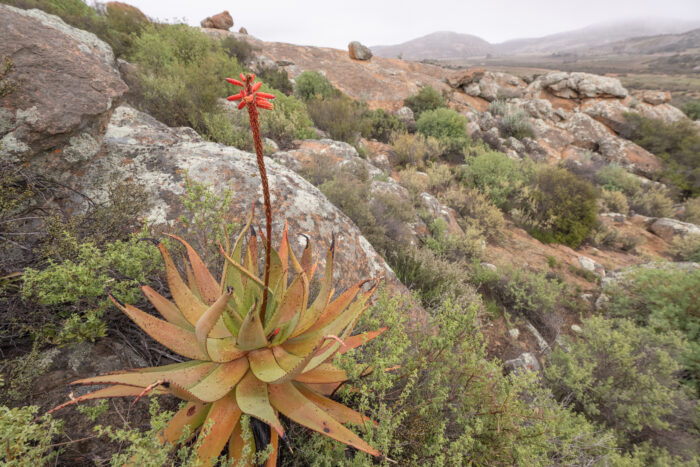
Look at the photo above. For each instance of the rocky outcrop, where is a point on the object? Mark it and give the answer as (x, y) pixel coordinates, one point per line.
(668, 228)
(221, 20)
(358, 51)
(68, 85)
(577, 85)
(243, 31)
(526, 363)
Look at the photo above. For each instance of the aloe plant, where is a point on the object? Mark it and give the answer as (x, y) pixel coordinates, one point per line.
(257, 347)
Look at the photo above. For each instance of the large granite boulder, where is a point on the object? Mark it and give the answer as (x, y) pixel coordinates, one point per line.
(68, 84)
(577, 85)
(125, 12)
(667, 228)
(221, 20)
(358, 51)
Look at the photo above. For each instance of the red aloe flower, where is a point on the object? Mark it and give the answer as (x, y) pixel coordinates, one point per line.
(252, 98)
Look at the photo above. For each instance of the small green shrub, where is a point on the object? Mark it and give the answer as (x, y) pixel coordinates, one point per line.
(339, 116)
(381, 125)
(447, 126)
(415, 149)
(312, 85)
(560, 208)
(496, 175)
(476, 211)
(614, 178)
(288, 121)
(25, 441)
(6, 86)
(455, 247)
(619, 374)
(654, 201)
(686, 248)
(239, 49)
(517, 125)
(426, 99)
(276, 78)
(498, 107)
(692, 110)
(614, 201)
(692, 210)
(440, 177)
(415, 182)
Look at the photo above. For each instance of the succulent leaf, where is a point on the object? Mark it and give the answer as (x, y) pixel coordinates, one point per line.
(166, 308)
(253, 399)
(192, 415)
(218, 426)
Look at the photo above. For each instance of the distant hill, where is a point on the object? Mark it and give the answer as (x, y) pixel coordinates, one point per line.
(443, 45)
(659, 44)
(446, 45)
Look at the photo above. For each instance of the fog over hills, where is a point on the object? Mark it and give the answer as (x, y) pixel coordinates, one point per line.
(452, 45)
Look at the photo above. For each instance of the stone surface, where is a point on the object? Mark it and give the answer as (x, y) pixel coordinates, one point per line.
(139, 149)
(333, 154)
(577, 85)
(68, 84)
(654, 97)
(358, 51)
(526, 362)
(514, 333)
(243, 31)
(221, 20)
(668, 228)
(405, 114)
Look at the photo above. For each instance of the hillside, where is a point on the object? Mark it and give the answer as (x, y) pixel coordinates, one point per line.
(495, 268)
(438, 45)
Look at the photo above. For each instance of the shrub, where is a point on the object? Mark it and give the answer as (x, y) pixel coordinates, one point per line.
(440, 177)
(239, 49)
(447, 126)
(496, 175)
(455, 247)
(517, 125)
(25, 442)
(415, 182)
(426, 99)
(498, 107)
(676, 143)
(313, 85)
(614, 201)
(276, 78)
(692, 210)
(288, 121)
(686, 248)
(6, 86)
(414, 149)
(614, 178)
(339, 116)
(380, 125)
(476, 211)
(561, 207)
(619, 374)
(665, 300)
(181, 76)
(692, 110)
(653, 202)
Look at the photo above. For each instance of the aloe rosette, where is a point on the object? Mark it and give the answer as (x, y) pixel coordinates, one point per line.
(241, 363)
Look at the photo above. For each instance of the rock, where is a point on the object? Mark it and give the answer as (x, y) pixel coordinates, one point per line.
(654, 97)
(514, 333)
(283, 63)
(465, 78)
(589, 265)
(473, 89)
(358, 51)
(242, 30)
(611, 113)
(138, 148)
(69, 84)
(577, 85)
(487, 121)
(576, 328)
(489, 266)
(524, 363)
(222, 20)
(538, 108)
(439, 211)
(124, 12)
(405, 114)
(668, 228)
(488, 89)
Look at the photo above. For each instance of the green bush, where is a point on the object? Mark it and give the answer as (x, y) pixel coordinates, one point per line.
(468, 245)
(692, 211)
(426, 99)
(676, 143)
(288, 121)
(496, 175)
(620, 374)
(239, 49)
(561, 207)
(666, 301)
(380, 125)
(339, 116)
(614, 201)
(614, 178)
(276, 78)
(476, 211)
(517, 125)
(415, 149)
(654, 202)
(686, 248)
(181, 75)
(447, 126)
(313, 85)
(692, 110)
(498, 107)
(24, 441)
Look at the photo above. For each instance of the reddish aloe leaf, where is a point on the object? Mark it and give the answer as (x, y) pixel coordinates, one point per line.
(359, 339)
(337, 306)
(307, 258)
(183, 374)
(206, 283)
(324, 373)
(251, 259)
(289, 401)
(188, 304)
(236, 445)
(292, 302)
(335, 409)
(326, 389)
(220, 381)
(191, 281)
(112, 391)
(232, 276)
(191, 415)
(251, 334)
(166, 308)
(224, 350)
(284, 248)
(286, 359)
(175, 338)
(217, 428)
(274, 441)
(210, 318)
(264, 365)
(243, 271)
(324, 295)
(252, 398)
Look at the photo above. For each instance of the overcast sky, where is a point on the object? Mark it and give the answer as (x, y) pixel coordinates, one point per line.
(329, 23)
